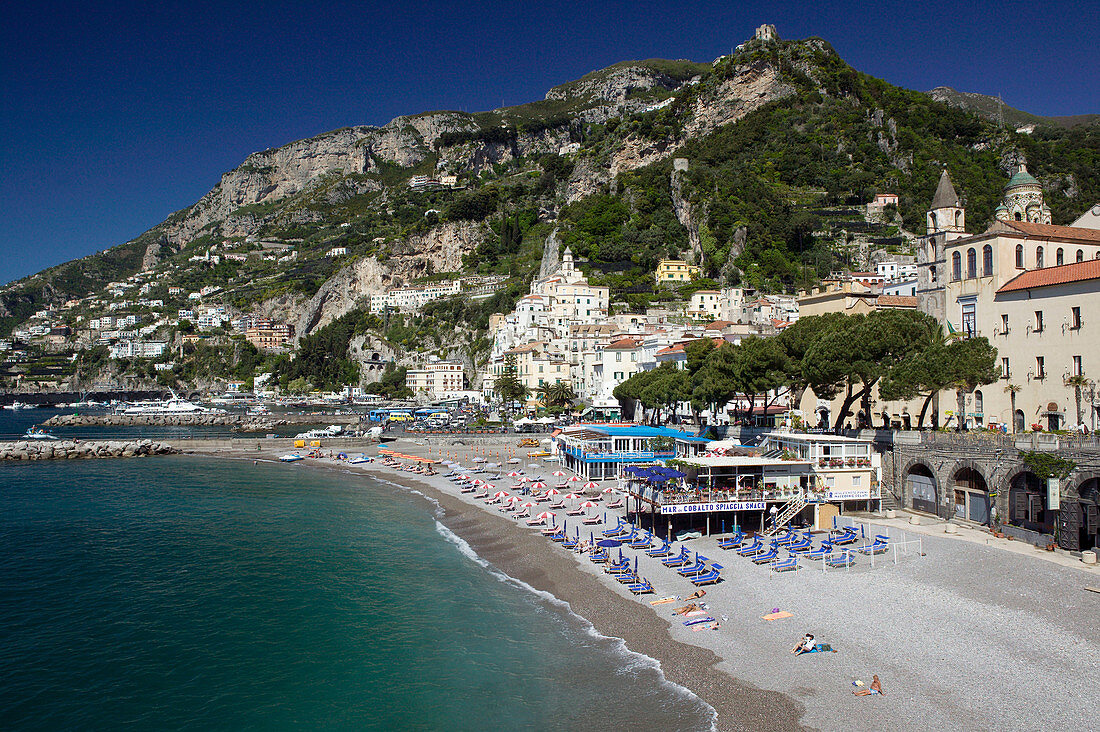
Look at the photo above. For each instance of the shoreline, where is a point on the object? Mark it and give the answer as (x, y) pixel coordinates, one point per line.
(529, 558)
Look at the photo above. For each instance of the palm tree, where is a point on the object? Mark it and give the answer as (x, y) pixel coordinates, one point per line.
(1012, 390)
(1078, 382)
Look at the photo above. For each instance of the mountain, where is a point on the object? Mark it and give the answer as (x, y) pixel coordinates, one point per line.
(755, 166)
(992, 108)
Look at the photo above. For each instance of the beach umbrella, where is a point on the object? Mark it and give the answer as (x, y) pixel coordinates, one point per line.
(608, 489)
(588, 504)
(538, 486)
(490, 487)
(571, 497)
(524, 479)
(551, 491)
(492, 465)
(574, 479)
(478, 481)
(609, 543)
(558, 473)
(527, 504)
(591, 485)
(501, 494)
(511, 499)
(513, 474)
(534, 466)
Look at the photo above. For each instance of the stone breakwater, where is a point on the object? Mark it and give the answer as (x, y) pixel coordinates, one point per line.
(239, 422)
(82, 449)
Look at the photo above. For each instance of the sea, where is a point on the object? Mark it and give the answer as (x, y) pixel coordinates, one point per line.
(189, 593)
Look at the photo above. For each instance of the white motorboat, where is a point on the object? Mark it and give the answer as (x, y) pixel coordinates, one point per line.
(291, 458)
(37, 433)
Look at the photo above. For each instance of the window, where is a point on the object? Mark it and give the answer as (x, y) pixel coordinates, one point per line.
(1005, 370)
(618, 355)
(633, 356)
(969, 319)
(987, 260)
(979, 402)
(1038, 321)
(956, 266)
(971, 263)
(1038, 257)
(1004, 324)
(932, 273)
(1040, 367)
(1077, 369)
(1019, 256)
(1075, 318)
(857, 481)
(830, 481)
(1059, 257)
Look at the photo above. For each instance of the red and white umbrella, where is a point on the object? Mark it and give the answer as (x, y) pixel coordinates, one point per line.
(511, 499)
(575, 479)
(558, 473)
(538, 486)
(588, 504)
(552, 492)
(608, 489)
(478, 481)
(571, 497)
(490, 487)
(513, 474)
(464, 477)
(545, 515)
(501, 494)
(528, 504)
(525, 479)
(591, 484)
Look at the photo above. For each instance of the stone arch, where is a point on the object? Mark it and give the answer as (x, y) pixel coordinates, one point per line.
(970, 499)
(1027, 500)
(921, 485)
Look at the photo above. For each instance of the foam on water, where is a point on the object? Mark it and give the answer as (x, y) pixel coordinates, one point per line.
(631, 661)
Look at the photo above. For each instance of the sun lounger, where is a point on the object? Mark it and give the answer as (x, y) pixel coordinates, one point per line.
(694, 570)
(731, 542)
(880, 545)
(598, 557)
(642, 542)
(553, 531)
(801, 545)
(847, 535)
(752, 548)
(570, 543)
(536, 522)
(616, 530)
(616, 504)
(821, 552)
(575, 512)
(698, 621)
(784, 538)
(591, 520)
(678, 561)
(467, 489)
(628, 578)
(618, 567)
(765, 557)
(706, 579)
(641, 588)
(784, 565)
(662, 551)
(840, 560)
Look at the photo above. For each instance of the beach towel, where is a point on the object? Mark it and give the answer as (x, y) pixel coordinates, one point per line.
(697, 628)
(697, 621)
(663, 601)
(695, 613)
(776, 616)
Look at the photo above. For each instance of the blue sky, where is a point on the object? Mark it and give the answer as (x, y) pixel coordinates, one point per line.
(114, 115)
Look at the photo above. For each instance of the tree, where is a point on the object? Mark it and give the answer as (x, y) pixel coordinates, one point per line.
(299, 386)
(1078, 382)
(714, 383)
(1013, 390)
(797, 339)
(973, 363)
(759, 366)
(508, 386)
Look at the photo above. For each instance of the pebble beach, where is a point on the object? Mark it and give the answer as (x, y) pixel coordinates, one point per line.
(964, 637)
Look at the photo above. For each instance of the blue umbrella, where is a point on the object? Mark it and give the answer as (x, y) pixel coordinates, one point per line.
(609, 543)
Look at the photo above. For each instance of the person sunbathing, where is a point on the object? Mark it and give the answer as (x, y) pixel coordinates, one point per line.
(875, 688)
(806, 645)
(697, 594)
(686, 609)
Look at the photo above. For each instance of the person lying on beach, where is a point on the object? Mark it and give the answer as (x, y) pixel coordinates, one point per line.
(686, 609)
(875, 689)
(696, 595)
(806, 645)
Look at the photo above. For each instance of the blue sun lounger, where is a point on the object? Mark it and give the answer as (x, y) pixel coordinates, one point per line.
(785, 565)
(618, 528)
(598, 557)
(706, 579)
(840, 560)
(640, 588)
(765, 557)
(694, 570)
(880, 546)
(731, 542)
(785, 538)
(847, 535)
(678, 561)
(802, 545)
(641, 542)
(747, 549)
(664, 550)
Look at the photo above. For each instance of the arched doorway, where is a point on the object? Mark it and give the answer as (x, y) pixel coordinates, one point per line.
(1088, 516)
(1018, 423)
(971, 496)
(1027, 504)
(823, 417)
(920, 484)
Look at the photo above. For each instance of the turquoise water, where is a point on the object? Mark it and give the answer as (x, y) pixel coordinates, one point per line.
(172, 593)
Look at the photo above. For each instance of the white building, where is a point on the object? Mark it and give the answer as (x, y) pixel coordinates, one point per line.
(438, 378)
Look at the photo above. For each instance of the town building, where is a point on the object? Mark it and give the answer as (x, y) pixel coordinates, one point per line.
(675, 271)
(268, 335)
(437, 379)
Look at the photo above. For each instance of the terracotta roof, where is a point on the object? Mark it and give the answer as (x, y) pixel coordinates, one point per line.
(679, 347)
(719, 324)
(896, 301)
(622, 344)
(1058, 232)
(1066, 273)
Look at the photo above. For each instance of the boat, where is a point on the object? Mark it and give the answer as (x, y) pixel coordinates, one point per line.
(37, 433)
(258, 411)
(290, 458)
(320, 433)
(172, 406)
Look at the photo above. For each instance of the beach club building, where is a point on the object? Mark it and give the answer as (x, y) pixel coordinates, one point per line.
(800, 478)
(601, 451)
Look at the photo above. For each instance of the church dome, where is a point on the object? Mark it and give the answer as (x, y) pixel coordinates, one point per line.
(1022, 178)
